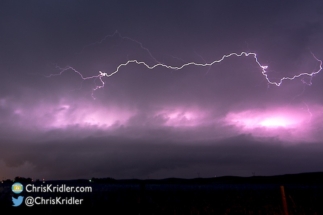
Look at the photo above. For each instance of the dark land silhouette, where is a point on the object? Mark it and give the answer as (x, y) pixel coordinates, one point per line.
(303, 194)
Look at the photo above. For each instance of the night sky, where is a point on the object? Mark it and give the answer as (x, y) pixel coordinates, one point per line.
(126, 89)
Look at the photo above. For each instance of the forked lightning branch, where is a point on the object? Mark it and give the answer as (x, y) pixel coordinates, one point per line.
(263, 69)
(101, 74)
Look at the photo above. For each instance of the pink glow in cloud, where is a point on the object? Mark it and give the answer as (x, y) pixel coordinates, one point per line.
(60, 115)
(182, 117)
(288, 123)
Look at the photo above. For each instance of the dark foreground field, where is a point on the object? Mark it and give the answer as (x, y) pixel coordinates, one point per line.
(222, 195)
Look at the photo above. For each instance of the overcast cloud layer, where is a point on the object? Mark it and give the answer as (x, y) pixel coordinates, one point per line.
(230, 118)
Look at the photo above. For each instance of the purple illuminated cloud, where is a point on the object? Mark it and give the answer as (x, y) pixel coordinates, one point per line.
(209, 86)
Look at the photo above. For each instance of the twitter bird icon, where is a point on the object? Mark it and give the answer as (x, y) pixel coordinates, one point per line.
(17, 201)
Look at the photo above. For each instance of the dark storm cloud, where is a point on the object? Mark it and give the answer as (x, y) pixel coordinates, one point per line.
(124, 158)
(164, 122)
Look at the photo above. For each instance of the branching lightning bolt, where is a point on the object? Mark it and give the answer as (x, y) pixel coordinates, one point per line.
(159, 64)
(308, 110)
(263, 68)
(124, 38)
(254, 55)
(67, 68)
